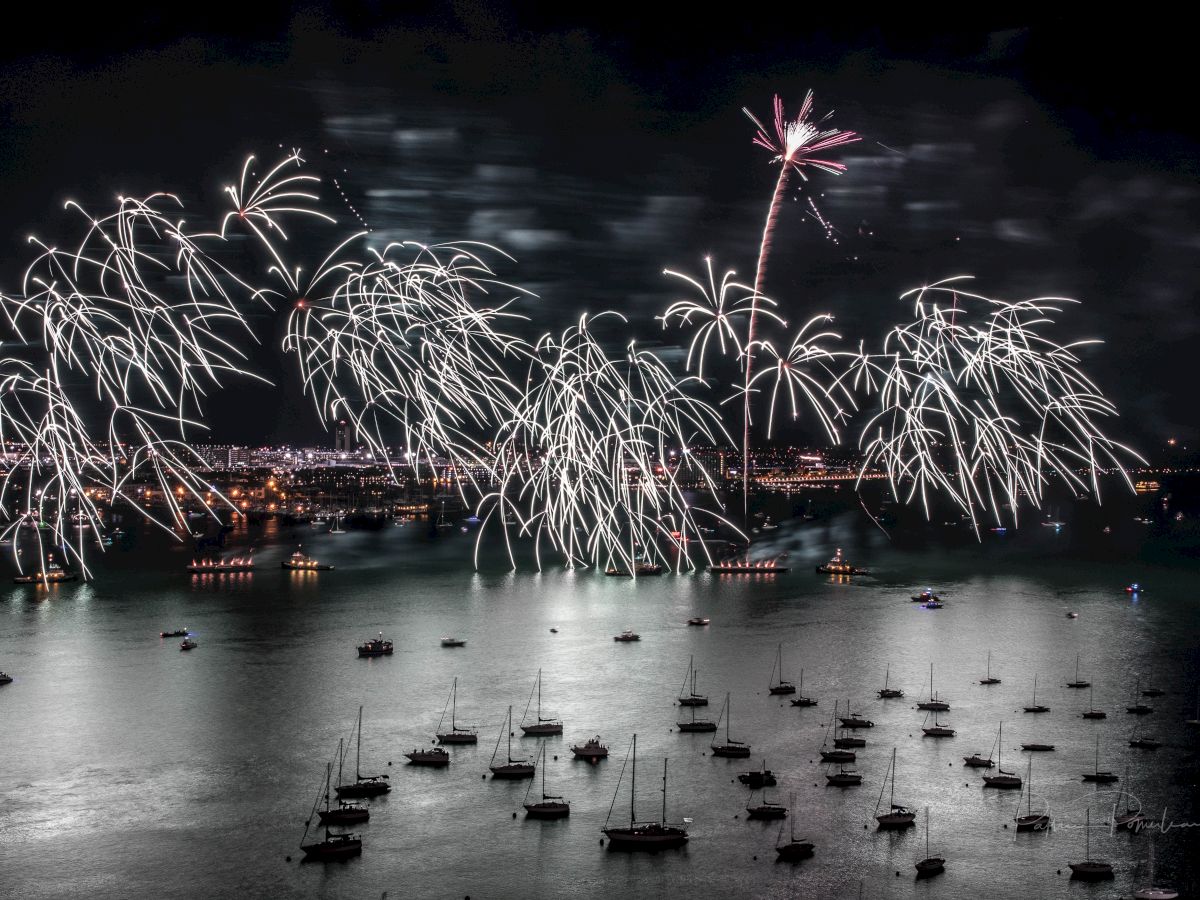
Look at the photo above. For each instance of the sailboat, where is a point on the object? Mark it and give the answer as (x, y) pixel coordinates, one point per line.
(794, 850)
(1001, 779)
(885, 692)
(1090, 869)
(854, 720)
(933, 703)
(937, 729)
(1154, 892)
(1152, 691)
(552, 806)
(846, 741)
(691, 698)
(731, 748)
(543, 727)
(765, 810)
(696, 725)
(801, 700)
(334, 846)
(780, 686)
(644, 835)
(1031, 821)
(989, 679)
(897, 816)
(1092, 712)
(1142, 742)
(1097, 775)
(1131, 819)
(363, 785)
(1078, 682)
(837, 755)
(337, 525)
(455, 735)
(1139, 708)
(514, 768)
(1035, 707)
(346, 812)
(441, 519)
(930, 865)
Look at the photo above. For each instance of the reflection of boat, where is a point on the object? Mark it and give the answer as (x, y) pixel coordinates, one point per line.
(650, 836)
(592, 750)
(363, 785)
(52, 574)
(839, 565)
(375, 647)
(455, 735)
(304, 563)
(228, 564)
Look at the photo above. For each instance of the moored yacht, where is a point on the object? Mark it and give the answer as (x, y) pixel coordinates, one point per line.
(1090, 869)
(363, 785)
(592, 750)
(457, 734)
(731, 748)
(544, 726)
(433, 756)
(897, 816)
(299, 562)
(1003, 780)
(52, 574)
(513, 768)
(651, 836)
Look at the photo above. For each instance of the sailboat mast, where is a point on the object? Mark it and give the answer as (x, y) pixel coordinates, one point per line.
(892, 801)
(633, 784)
(664, 812)
(328, 771)
(454, 705)
(1000, 748)
(358, 747)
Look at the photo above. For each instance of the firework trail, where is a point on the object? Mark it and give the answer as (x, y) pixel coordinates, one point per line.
(984, 412)
(135, 324)
(583, 463)
(797, 144)
(400, 342)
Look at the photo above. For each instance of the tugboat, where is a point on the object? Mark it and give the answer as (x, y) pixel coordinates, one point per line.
(375, 647)
(300, 562)
(187, 644)
(592, 750)
(839, 565)
(178, 632)
(219, 566)
(650, 836)
(53, 574)
(627, 636)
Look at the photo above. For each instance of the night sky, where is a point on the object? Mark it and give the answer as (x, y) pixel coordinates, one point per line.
(1045, 158)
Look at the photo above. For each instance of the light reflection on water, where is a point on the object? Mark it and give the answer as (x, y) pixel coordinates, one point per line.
(140, 770)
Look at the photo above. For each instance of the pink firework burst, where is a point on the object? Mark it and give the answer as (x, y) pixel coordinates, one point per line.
(801, 142)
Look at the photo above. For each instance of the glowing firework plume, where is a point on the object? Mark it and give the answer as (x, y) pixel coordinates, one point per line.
(797, 144)
(983, 411)
(583, 464)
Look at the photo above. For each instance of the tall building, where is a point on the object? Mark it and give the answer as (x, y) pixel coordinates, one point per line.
(344, 437)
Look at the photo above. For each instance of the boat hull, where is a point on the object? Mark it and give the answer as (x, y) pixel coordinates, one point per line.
(1032, 823)
(649, 838)
(730, 751)
(458, 737)
(344, 816)
(768, 811)
(333, 850)
(547, 810)
(544, 729)
(428, 758)
(795, 851)
(362, 789)
(896, 821)
(696, 727)
(783, 689)
(804, 701)
(512, 771)
(693, 701)
(1091, 871)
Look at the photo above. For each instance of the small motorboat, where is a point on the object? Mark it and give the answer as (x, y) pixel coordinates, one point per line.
(187, 644)
(5, 678)
(626, 636)
(933, 604)
(697, 620)
(978, 761)
(1145, 743)
(1072, 615)
(1134, 588)
(554, 631)
(453, 642)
